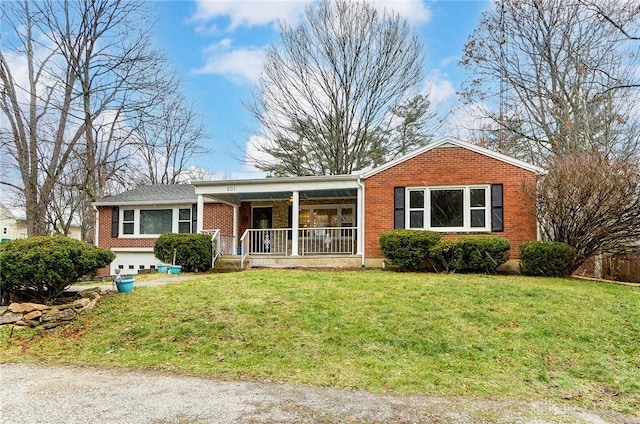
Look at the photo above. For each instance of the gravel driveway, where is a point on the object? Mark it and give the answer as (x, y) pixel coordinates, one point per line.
(58, 394)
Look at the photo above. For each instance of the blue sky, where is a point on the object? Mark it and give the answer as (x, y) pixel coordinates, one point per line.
(217, 47)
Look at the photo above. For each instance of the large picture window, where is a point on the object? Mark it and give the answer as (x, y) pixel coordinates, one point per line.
(154, 222)
(449, 208)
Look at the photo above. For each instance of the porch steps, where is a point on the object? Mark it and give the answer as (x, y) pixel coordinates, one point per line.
(230, 262)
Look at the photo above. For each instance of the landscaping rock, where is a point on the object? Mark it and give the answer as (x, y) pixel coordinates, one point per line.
(50, 315)
(32, 315)
(43, 316)
(10, 317)
(93, 293)
(27, 307)
(81, 303)
(67, 314)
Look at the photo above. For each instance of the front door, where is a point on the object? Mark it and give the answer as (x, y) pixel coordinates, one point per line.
(262, 220)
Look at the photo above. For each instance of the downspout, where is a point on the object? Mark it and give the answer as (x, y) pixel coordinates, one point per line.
(361, 214)
(96, 229)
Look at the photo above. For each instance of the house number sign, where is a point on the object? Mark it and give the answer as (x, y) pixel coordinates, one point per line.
(231, 188)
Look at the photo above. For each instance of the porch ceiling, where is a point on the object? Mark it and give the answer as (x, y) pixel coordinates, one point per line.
(283, 195)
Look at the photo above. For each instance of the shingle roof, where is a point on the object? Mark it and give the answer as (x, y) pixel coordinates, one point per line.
(152, 194)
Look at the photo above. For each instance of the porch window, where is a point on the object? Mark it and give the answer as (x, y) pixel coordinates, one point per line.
(323, 216)
(449, 209)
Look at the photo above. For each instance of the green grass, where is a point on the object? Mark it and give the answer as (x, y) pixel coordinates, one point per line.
(568, 341)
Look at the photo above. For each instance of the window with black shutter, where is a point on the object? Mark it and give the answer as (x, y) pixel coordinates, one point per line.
(497, 208)
(398, 208)
(115, 216)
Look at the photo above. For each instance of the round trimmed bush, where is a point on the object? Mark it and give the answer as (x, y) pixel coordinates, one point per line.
(192, 251)
(547, 258)
(408, 249)
(41, 268)
(484, 253)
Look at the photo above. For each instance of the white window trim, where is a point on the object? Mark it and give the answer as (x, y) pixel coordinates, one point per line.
(136, 220)
(466, 228)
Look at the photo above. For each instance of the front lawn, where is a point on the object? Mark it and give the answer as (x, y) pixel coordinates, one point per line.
(566, 341)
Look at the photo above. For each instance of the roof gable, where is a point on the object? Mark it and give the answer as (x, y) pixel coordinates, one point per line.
(454, 142)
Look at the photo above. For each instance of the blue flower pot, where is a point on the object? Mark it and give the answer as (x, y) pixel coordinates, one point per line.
(175, 269)
(163, 268)
(125, 285)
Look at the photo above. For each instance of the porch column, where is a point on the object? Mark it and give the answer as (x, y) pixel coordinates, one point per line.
(295, 222)
(236, 228)
(360, 221)
(200, 213)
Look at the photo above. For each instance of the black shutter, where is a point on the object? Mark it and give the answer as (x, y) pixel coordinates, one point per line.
(497, 209)
(398, 208)
(115, 217)
(194, 218)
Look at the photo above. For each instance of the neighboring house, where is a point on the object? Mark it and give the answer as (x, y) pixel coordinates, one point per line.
(13, 223)
(449, 186)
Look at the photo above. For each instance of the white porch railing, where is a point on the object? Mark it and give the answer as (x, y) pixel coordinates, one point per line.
(311, 241)
(272, 241)
(221, 244)
(327, 240)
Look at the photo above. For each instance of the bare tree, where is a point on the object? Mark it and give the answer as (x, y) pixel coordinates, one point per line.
(556, 77)
(330, 86)
(590, 202)
(90, 69)
(168, 137)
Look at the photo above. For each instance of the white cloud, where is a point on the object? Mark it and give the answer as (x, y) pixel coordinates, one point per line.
(465, 121)
(241, 65)
(414, 11)
(249, 13)
(440, 88)
(259, 13)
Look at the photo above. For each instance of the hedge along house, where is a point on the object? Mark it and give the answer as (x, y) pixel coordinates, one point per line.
(448, 186)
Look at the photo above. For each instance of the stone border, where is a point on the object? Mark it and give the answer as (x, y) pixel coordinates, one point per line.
(36, 315)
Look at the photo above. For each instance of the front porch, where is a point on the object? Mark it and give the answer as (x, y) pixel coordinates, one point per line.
(317, 247)
(289, 222)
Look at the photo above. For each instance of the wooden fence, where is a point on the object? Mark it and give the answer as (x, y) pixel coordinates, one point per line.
(617, 267)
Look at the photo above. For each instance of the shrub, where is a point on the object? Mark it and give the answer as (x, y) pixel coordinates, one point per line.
(41, 268)
(408, 249)
(447, 256)
(192, 251)
(484, 253)
(547, 258)
(471, 253)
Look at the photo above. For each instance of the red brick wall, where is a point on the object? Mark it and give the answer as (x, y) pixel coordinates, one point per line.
(216, 216)
(450, 166)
